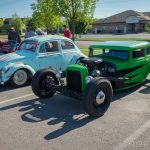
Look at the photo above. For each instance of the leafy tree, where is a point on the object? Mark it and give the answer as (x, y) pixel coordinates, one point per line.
(76, 10)
(45, 14)
(82, 25)
(148, 27)
(1, 22)
(17, 22)
(32, 24)
(25, 20)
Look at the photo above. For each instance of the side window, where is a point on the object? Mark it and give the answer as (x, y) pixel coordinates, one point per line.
(138, 53)
(49, 46)
(66, 45)
(148, 51)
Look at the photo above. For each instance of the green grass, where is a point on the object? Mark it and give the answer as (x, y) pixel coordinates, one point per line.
(112, 39)
(84, 50)
(6, 36)
(3, 36)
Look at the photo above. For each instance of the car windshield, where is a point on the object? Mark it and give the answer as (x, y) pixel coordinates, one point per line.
(120, 54)
(29, 45)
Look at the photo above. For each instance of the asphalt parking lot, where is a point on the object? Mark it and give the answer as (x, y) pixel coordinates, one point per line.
(29, 123)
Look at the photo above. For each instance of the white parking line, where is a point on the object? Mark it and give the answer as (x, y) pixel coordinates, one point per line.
(129, 140)
(13, 99)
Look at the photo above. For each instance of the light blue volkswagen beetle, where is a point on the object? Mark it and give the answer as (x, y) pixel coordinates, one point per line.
(35, 53)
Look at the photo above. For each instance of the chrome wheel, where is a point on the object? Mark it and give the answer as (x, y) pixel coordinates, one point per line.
(20, 77)
(100, 97)
(48, 85)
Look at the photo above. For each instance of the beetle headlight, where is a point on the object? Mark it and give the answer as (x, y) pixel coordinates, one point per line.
(1, 72)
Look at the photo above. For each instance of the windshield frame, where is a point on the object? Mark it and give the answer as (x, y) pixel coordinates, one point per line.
(30, 50)
(103, 55)
(117, 51)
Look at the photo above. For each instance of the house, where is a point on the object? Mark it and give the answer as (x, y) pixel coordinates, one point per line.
(129, 21)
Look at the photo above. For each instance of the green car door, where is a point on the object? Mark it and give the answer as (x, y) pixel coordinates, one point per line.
(139, 65)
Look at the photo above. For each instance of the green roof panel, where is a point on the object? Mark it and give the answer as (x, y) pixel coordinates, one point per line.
(121, 45)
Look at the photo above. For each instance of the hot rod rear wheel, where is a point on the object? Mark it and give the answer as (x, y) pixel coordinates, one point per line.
(44, 83)
(98, 96)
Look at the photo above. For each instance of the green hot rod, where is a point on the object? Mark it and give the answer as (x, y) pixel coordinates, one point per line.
(111, 66)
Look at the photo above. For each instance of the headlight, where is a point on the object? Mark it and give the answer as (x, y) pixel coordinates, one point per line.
(1, 72)
(4, 70)
(59, 75)
(96, 73)
(88, 79)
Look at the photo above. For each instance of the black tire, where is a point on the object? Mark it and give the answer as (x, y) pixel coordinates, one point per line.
(37, 83)
(22, 82)
(97, 86)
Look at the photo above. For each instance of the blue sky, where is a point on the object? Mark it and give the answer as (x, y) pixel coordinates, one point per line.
(104, 7)
(107, 8)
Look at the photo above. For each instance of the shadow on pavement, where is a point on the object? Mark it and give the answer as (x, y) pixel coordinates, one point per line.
(4, 88)
(60, 109)
(57, 110)
(8, 87)
(145, 90)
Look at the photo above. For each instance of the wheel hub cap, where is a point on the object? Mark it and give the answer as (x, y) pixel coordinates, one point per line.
(20, 77)
(100, 98)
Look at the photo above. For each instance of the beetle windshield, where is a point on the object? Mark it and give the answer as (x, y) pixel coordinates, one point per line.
(120, 54)
(29, 45)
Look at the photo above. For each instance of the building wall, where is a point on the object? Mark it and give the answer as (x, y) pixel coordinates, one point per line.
(119, 28)
(110, 28)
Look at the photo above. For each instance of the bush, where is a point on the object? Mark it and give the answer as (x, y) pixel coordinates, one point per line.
(148, 27)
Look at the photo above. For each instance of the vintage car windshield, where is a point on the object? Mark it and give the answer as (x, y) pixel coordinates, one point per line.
(119, 54)
(29, 45)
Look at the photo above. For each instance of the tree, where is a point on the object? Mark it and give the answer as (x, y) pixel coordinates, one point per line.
(17, 22)
(76, 10)
(82, 25)
(45, 14)
(148, 27)
(25, 20)
(32, 24)
(1, 22)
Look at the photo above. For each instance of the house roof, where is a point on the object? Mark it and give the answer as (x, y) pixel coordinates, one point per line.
(121, 17)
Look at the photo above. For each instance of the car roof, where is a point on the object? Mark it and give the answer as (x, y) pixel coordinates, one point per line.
(42, 38)
(121, 45)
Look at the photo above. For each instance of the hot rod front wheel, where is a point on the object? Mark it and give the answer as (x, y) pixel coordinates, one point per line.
(98, 96)
(44, 83)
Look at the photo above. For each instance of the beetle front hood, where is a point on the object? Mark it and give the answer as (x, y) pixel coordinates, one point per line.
(13, 57)
(9, 57)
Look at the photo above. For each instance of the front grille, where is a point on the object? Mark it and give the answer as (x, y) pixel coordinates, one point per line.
(74, 81)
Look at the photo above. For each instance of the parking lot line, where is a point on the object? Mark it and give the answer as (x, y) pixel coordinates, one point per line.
(129, 140)
(13, 99)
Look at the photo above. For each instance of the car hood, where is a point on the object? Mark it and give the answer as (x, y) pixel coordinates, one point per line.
(16, 56)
